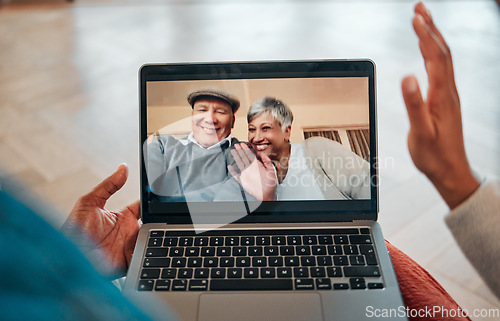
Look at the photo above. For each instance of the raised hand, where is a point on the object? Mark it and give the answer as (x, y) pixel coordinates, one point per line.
(113, 233)
(257, 177)
(435, 139)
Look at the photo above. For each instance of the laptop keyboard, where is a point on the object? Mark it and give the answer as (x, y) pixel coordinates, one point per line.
(246, 260)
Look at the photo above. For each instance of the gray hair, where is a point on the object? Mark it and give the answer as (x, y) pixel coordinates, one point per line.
(276, 107)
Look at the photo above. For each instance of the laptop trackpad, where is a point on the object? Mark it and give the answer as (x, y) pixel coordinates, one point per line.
(260, 306)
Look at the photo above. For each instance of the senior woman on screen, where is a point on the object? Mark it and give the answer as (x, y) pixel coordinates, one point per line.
(316, 169)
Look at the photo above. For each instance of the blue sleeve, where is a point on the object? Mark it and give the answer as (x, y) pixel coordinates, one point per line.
(43, 276)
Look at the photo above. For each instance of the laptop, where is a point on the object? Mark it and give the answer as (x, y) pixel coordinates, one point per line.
(211, 248)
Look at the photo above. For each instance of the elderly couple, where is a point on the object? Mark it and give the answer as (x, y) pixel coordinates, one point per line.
(210, 165)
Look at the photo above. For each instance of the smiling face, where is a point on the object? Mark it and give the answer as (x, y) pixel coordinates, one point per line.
(212, 121)
(267, 138)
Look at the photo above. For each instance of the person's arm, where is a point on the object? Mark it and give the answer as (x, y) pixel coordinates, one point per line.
(154, 161)
(435, 139)
(44, 276)
(333, 162)
(437, 148)
(475, 224)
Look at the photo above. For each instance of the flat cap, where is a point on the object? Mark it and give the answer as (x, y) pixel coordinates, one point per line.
(214, 93)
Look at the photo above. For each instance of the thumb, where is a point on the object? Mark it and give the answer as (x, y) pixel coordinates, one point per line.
(102, 192)
(266, 161)
(417, 112)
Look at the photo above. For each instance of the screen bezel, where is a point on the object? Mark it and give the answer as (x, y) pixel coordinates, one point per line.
(268, 212)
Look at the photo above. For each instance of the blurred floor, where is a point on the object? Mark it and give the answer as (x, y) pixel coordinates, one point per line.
(69, 101)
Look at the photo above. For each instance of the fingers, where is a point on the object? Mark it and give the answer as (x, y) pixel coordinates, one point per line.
(102, 192)
(266, 161)
(270, 174)
(249, 154)
(133, 209)
(237, 158)
(421, 10)
(436, 53)
(418, 112)
(242, 155)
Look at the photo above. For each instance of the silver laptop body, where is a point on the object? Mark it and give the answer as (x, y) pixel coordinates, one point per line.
(313, 258)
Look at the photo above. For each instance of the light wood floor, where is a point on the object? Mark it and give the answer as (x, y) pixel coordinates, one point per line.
(69, 97)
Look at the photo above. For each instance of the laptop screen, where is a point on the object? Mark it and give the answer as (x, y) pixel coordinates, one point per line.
(254, 141)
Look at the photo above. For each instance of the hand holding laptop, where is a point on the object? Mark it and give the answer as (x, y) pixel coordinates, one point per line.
(436, 140)
(114, 233)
